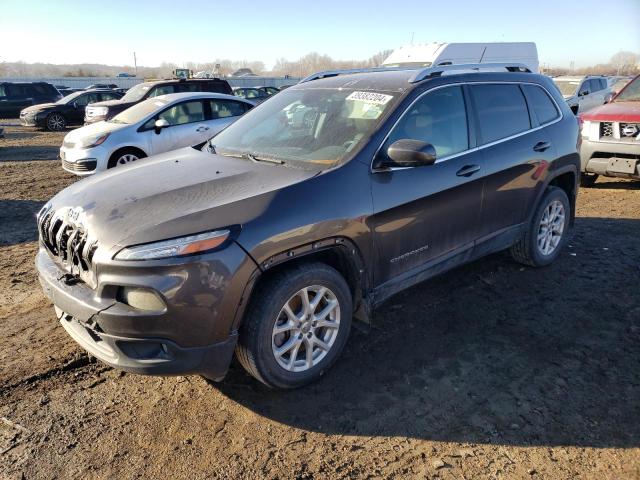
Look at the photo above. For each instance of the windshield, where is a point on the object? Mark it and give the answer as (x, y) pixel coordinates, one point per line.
(315, 126)
(567, 87)
(69, 98)
(135, 93)
(631, 92)
(139, 111)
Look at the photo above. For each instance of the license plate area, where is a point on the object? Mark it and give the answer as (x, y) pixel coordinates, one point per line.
(622, 165)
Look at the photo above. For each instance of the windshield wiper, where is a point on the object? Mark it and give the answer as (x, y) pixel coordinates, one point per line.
(257, 158)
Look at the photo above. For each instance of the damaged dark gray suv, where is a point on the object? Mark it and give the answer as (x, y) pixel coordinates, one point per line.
(313, 208)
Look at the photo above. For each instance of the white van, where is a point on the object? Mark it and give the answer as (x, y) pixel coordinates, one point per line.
(434, 54)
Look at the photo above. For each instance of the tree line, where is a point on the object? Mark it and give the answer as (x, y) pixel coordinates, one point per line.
(622, 63)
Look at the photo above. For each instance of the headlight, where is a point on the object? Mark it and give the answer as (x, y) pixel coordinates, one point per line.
(586, 127)
(99, 111)
(93, 141)
(174, 248)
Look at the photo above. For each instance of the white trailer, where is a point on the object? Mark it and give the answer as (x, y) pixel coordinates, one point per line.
(435, 54)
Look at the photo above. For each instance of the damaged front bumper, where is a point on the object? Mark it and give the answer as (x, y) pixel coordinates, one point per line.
(183, 338)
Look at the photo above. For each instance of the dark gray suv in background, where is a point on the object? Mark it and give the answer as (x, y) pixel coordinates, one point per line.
(311, 209)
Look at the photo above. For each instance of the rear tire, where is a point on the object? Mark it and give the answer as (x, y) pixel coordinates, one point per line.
(125, 156)
(588, 179)
(287, 342)
(547, 232)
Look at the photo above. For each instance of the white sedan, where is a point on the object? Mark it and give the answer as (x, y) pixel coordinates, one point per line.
(157, 125)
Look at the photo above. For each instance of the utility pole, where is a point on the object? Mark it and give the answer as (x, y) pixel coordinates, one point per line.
(135, 63)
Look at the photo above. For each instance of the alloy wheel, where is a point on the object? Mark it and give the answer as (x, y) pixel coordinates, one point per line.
(306, 328)
(55, 122)
(551, 227)
(126, 158)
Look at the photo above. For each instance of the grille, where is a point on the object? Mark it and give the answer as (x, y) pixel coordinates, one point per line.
(88, 166)
(67, 242)
(629, 130)
(606, 129)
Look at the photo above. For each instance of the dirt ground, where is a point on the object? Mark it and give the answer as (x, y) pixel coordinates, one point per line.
(489, 371)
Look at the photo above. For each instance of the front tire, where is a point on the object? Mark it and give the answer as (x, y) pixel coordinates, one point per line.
(296, 326)
(547, 232)
(125, 156)
(588, 179)
(56, 122)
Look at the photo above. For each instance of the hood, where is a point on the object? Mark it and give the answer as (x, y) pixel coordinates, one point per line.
(173, 194)
(93, 129)
(615, 112)
(40, 107)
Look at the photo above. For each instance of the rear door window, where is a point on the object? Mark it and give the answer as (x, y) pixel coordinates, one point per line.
(185, 112)
(16, 91)
(227, 108)
(502, 111)
(539, 101)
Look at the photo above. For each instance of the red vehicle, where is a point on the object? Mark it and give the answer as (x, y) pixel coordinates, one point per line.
(611, 137)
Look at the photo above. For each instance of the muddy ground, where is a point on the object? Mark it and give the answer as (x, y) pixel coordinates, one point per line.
(490, 371)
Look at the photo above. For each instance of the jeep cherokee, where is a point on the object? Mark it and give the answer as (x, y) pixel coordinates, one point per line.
(311, 209)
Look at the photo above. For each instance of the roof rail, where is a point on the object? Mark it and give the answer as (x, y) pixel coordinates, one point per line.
(437, 71)
(335, 73)
(421, 73)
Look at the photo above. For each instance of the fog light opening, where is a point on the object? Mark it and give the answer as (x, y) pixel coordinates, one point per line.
(140, 298)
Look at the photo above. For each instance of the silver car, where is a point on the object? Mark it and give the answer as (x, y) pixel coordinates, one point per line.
(583, 93)
(157, 125)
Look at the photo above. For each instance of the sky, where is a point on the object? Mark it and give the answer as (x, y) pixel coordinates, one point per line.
(585, 32)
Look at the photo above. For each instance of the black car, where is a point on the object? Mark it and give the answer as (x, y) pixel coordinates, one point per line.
(308, 211)
(14, 96)
(106, 110)
(67, 111)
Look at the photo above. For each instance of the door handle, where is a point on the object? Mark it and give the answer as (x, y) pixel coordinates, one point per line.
(468, 170)
(541, 146)
(202, 129)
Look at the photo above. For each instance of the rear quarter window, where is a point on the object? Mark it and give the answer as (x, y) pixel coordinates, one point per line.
(501, 110)
(218, 87)
(542, 105)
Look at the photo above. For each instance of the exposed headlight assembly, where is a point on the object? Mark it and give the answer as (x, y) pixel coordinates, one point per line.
(94, 141)
(176, 247)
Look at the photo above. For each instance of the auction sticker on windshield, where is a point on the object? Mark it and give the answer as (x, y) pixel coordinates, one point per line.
(370, 97)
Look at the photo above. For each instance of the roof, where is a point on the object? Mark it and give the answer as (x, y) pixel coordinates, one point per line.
(174, 97)
(401, 79)
(576, 78)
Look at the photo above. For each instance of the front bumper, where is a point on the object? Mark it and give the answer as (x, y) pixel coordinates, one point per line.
(611, 158)
(150, 356)
(33, 120)
(194, 334)
(83, 161)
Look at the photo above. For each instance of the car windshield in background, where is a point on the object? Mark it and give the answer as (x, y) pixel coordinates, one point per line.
(136, 93)
(567, 87)
(631, 92)
(314, 126)
(139, 111)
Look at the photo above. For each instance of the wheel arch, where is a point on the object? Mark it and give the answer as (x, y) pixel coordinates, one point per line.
(565, 178)
(339, 253)
(123, 148)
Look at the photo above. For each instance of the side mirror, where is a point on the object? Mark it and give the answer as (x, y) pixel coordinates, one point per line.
(160, 124)
(74, 104)
(609, 97)
(584, 93)
(409, 153)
